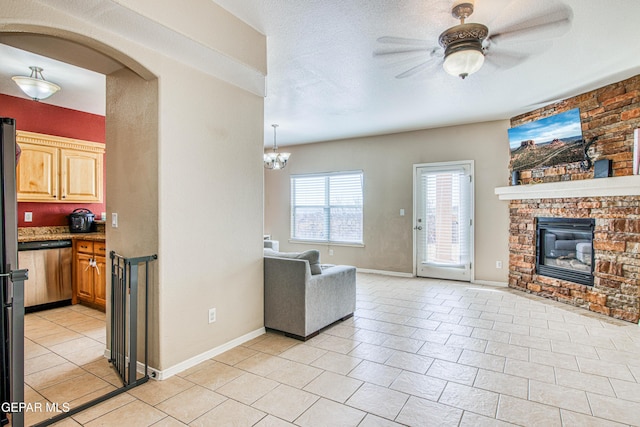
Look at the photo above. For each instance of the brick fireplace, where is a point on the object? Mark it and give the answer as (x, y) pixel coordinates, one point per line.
(616, 245)
(608, 117)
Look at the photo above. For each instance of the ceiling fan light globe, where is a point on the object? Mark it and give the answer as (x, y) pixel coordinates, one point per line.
(36, 88)
(463, 62)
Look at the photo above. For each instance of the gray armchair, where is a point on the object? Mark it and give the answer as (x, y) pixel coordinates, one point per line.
(299, 303)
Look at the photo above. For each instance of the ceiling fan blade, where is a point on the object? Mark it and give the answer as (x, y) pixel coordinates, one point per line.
(415, 70)
(385, 52)
(504, 60)
(543, 31)
(550, 23)
(403, 40)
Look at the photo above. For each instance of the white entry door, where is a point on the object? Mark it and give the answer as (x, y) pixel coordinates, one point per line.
(443, 215)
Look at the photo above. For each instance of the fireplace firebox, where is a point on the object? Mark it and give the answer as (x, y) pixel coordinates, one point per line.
(565, 249)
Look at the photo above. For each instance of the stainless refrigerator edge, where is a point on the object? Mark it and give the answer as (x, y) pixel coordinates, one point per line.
(11, 283)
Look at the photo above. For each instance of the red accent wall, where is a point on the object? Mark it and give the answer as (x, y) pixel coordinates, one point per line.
(35, 116)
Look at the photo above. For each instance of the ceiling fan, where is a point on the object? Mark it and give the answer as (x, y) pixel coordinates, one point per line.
(463, 48)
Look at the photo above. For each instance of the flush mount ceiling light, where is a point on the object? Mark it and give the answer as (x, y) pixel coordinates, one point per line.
(463, 53)
(35, 86)
(274, 159)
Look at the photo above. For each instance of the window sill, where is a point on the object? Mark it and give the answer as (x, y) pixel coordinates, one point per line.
(317, 243)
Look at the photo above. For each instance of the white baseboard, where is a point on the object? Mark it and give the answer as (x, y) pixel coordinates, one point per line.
(384, 272)
(490, 283)
(410, 275)
(153, 373)
(183, 366)
(160, 375)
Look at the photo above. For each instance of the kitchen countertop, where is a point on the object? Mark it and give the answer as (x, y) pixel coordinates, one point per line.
(38, 234)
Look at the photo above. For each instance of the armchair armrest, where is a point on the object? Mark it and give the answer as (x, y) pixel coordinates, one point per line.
(284, 293)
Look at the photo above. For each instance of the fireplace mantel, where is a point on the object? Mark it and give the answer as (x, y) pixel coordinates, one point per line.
(600, 187)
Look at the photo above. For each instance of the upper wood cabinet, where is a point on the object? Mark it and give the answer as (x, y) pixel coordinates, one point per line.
(57, 169)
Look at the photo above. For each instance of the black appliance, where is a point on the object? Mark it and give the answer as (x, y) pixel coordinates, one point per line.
(11, 281)
(81, 220)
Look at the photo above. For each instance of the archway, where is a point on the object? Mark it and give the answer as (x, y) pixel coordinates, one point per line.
(131, 138)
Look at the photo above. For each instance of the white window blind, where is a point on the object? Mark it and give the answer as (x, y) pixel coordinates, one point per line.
(327, 207)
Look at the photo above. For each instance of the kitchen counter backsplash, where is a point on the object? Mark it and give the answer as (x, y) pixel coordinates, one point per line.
(61, 232)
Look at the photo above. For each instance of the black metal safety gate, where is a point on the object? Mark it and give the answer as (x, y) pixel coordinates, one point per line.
(124, 328)
(124, 317)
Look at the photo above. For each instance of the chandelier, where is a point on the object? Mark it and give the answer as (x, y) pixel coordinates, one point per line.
(35, 86)
(274, 159)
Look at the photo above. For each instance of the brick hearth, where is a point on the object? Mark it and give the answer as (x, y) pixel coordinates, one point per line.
(616, 246)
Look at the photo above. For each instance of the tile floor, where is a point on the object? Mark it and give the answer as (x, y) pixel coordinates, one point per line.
(64, 358)
(417, 352)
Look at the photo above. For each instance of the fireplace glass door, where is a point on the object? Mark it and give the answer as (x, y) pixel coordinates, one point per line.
(565, 249)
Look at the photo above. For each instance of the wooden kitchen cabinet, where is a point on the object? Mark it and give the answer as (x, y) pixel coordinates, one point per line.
(37, 173)
(90, 273)
(57, 169)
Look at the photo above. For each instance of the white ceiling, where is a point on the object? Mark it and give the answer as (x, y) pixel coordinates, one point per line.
(325, 83)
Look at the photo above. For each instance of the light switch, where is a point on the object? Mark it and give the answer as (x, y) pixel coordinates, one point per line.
(28, 216)
(401, 212)
(114, 220)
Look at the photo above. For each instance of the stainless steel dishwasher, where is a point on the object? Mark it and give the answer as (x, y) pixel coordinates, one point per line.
(49, 265)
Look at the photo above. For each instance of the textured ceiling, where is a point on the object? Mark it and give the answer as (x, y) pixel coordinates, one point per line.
(325, 83)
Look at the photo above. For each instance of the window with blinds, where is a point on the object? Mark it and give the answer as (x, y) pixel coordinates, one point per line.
(327, 207)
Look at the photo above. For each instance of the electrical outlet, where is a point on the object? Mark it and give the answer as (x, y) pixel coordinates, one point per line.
(498, 264)
(212, 315)
(331, 252)
(28, 216)
(114, 220)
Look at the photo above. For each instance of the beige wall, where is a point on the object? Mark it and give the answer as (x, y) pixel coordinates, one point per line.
(132, 115)
(210, 214)
(387, 162)
(232, 37)
(185, 175)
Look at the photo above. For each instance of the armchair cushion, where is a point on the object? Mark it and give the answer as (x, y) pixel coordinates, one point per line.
(312, 255)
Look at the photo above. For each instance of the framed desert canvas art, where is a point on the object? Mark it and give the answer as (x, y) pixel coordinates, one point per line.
(547, 142)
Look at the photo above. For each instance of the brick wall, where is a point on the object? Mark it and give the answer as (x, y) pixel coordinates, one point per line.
(610, 113)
